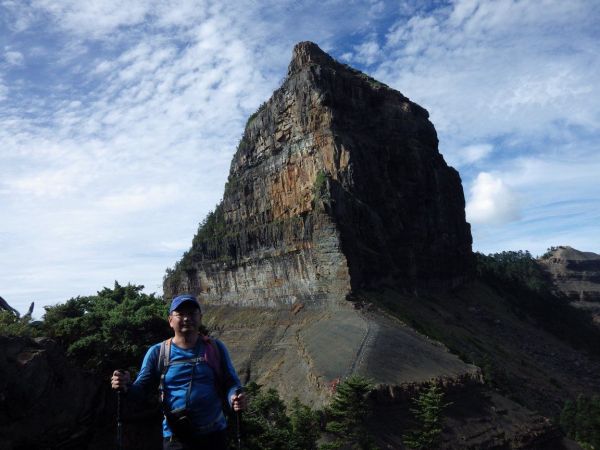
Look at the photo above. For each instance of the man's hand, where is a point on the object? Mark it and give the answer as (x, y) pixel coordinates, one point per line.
(120, 380)
(239, 402)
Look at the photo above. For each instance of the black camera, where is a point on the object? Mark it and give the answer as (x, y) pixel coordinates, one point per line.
(180, 423)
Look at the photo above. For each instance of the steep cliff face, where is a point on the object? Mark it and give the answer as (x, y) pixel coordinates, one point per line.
(336, 184)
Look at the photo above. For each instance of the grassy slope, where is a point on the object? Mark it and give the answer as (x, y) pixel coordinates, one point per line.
(518, 358)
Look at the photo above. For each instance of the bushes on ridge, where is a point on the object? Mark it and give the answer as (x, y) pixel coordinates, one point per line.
(111, 329)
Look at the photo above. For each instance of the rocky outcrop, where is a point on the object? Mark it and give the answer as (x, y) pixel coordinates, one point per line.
(48, 403)
(45, 402)
(337, 184)
(576, 275)
(4, 306)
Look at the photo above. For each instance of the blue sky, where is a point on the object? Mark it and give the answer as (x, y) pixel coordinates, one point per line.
(118, 123)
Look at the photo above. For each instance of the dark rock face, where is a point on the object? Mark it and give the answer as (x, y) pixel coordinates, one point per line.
(45, 402)
(337, 184)
(4, 306)
(48, 403)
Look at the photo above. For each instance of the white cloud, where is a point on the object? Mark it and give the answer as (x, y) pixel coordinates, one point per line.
(471, 154)
(491, 201)
(14, 58)
(367, 53)
(97, 18)
(489, 68)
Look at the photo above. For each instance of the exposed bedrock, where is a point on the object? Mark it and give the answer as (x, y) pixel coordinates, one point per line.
(304, 352)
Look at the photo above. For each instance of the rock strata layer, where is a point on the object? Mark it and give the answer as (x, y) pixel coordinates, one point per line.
(336, 185)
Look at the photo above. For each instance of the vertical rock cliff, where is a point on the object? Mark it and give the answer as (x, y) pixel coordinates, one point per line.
(337, 184)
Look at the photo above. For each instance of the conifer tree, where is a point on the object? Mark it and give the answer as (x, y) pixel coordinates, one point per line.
(267, 425)
(428, 411)
(305, 426)
(348, 415)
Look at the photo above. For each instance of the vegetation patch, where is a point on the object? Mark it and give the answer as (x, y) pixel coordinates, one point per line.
(111, 329)
(580, 420)
(519, 279)
(320, 186)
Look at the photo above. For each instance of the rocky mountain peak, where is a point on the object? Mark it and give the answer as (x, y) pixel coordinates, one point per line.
(307, 53)
(336, 185)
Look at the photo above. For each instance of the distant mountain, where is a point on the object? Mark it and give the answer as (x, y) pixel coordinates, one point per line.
(575, 274)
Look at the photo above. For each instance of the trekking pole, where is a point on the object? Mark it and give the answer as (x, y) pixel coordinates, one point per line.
(119, 419)
(119, 423)
(238, 419)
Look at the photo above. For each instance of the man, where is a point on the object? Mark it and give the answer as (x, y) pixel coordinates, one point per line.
(197, 375)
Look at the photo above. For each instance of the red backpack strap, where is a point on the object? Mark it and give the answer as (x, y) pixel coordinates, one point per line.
(213, 357)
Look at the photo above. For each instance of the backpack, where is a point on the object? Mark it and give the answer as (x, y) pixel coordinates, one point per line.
(212, 356)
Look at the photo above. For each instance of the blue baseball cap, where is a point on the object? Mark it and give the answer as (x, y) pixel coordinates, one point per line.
(181, 299)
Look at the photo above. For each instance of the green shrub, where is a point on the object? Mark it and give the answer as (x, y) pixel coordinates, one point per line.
(111, 329)
(580, 420)
(267, 425)
(13, 325)
(320, 185)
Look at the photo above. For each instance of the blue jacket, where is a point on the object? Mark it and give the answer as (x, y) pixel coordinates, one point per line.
(206, 408)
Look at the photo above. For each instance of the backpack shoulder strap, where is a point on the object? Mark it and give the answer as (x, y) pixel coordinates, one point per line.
(164, 356)
(215, 359)
(213, 356)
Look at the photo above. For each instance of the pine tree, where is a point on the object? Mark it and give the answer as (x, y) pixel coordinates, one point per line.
(266, 425)
(305, 426)
(348, 415)
(428, 411)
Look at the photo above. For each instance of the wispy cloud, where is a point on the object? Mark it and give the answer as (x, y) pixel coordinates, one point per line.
(14, 58)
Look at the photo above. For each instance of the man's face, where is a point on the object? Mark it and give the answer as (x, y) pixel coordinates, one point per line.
(185, 319)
